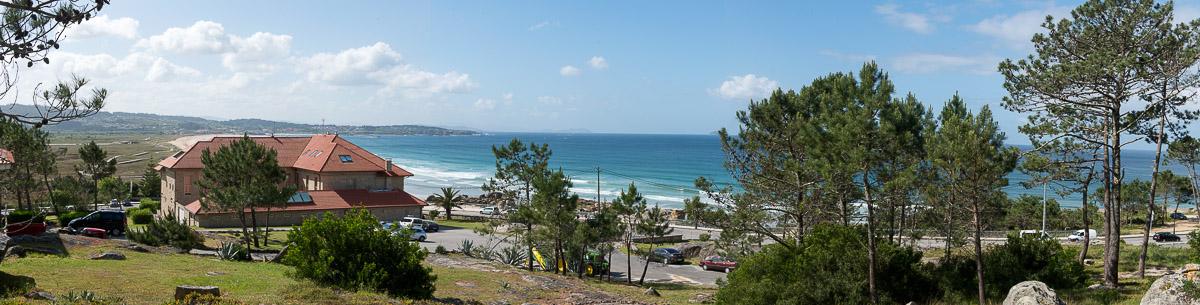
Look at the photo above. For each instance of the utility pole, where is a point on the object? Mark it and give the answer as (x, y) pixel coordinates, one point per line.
(597, 185)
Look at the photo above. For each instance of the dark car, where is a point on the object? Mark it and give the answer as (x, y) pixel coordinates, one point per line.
(717, 262)
(111, 221)
(666, 255)
(1165, 237)
(1178, 216)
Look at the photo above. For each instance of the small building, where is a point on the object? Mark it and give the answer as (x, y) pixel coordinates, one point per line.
(6, 159)
(330, 173)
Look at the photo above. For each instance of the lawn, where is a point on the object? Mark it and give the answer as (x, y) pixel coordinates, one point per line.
(150, 278)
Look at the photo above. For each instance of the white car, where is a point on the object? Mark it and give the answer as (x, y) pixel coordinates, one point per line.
(489, 211)
(416, 232)
(413, 222)
(1077, 236)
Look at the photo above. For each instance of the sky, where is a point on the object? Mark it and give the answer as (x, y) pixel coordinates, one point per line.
(533, 66)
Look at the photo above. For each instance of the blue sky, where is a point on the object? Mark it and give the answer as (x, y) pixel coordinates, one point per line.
(604, 66)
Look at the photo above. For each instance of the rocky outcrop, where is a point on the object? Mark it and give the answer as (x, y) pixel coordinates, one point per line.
(183, 291)
(1032, 293)
(1172, 289)
(113, 256)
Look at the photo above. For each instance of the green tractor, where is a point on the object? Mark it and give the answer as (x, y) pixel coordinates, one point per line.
(594, 264)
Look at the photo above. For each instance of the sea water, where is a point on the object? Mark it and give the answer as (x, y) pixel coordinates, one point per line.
(664, 167)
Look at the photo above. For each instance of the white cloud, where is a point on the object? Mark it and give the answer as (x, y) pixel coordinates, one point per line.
(598, 63)
(744, 87)
(911, 21)
(508, 98)
(148, 67)
(543, 25)
(485, 104)
(163, 70)
(199, 38)
(569, 70)
(257, 52)
(378, 64)
(929, 63)
(1018, 29)
(101, 26)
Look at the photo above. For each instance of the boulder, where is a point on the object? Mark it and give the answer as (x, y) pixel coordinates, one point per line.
(652, 292)
(108, 255)
(183, 291)
(1032, 293)
(1169, 289)
(22, 251)
(701, 298)
(698, 249)
(40, 295)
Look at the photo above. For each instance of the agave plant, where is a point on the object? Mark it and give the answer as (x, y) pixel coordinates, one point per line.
(467, 248)
(233, 252)
(512, 255)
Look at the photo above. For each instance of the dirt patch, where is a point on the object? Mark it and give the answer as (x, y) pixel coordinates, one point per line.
(560, 289)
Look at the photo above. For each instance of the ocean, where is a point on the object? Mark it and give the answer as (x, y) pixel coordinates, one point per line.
(664, 167)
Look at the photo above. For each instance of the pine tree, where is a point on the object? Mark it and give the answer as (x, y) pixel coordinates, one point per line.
(241, 177)
(96, 166)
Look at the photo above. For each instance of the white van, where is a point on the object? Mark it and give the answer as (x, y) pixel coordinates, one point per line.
(1077, 236)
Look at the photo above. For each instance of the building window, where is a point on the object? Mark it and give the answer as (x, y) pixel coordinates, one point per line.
(345, 158)
(187, 185)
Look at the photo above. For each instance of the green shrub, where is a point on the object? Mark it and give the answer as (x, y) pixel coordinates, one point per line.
(233, 252)
(355, 252)
(1194, 244)
(705, 236)
(141, 216)
(24, 215)
(830, 267)
(149, 204)
(434, 214)
(1018, 259)
(65, 218)
(440, 250)
(167, 231)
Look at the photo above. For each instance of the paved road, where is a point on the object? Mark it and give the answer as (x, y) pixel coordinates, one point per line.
(451, 238)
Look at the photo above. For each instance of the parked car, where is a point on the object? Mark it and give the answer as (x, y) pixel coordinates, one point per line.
(417, 235)
(428, 225)
(94, 232)
(114, 204)
(1178, 216)
(1077, 236)
(717, 262)
(666, 255)
(1165, 237)
(112, 222)
(1035, 233)
(489, 211)
(127, 203)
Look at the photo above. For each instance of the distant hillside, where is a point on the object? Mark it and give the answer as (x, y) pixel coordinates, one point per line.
(125, 122)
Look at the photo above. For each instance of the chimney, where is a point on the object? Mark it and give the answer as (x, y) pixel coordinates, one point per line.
(388, 167)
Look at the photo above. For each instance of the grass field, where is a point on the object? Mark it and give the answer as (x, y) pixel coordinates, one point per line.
(126, 147)
(150, 278)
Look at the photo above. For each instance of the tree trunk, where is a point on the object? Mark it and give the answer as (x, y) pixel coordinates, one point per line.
(1112, 207)
(949, 229)
(1153, 192)
(254, 226)
(978, 253)
(628, 258)
(646, 266)
(1087, 235)
(870, 240)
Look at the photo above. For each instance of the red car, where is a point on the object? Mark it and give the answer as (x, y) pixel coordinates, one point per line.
(716, 262)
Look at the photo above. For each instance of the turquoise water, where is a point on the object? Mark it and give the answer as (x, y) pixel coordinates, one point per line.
(663, 166)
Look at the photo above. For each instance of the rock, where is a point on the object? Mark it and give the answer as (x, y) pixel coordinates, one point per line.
(1095, 286)
(22, 251)
(702, 298)
(652, 292)
(690, 250)
(1032, 293)
(40, 295)
(1168, 290)
(136, 248)
(1089, 262)
(1189, 271)
(182, 291)
(116, 256)
(214, 273)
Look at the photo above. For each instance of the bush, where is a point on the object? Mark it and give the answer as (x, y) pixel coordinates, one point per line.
(440, 250)
(434, 214)
(233, 252)
(705, 236)
(829, 268)
(24, 215)
(167, 231)
(65, 218)
(149, 204)
(355, 252)
(1017, 260)
(141, 216)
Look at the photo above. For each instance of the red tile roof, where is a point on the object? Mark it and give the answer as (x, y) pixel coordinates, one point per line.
(338, 200)
(6, 156)
(320, 153)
